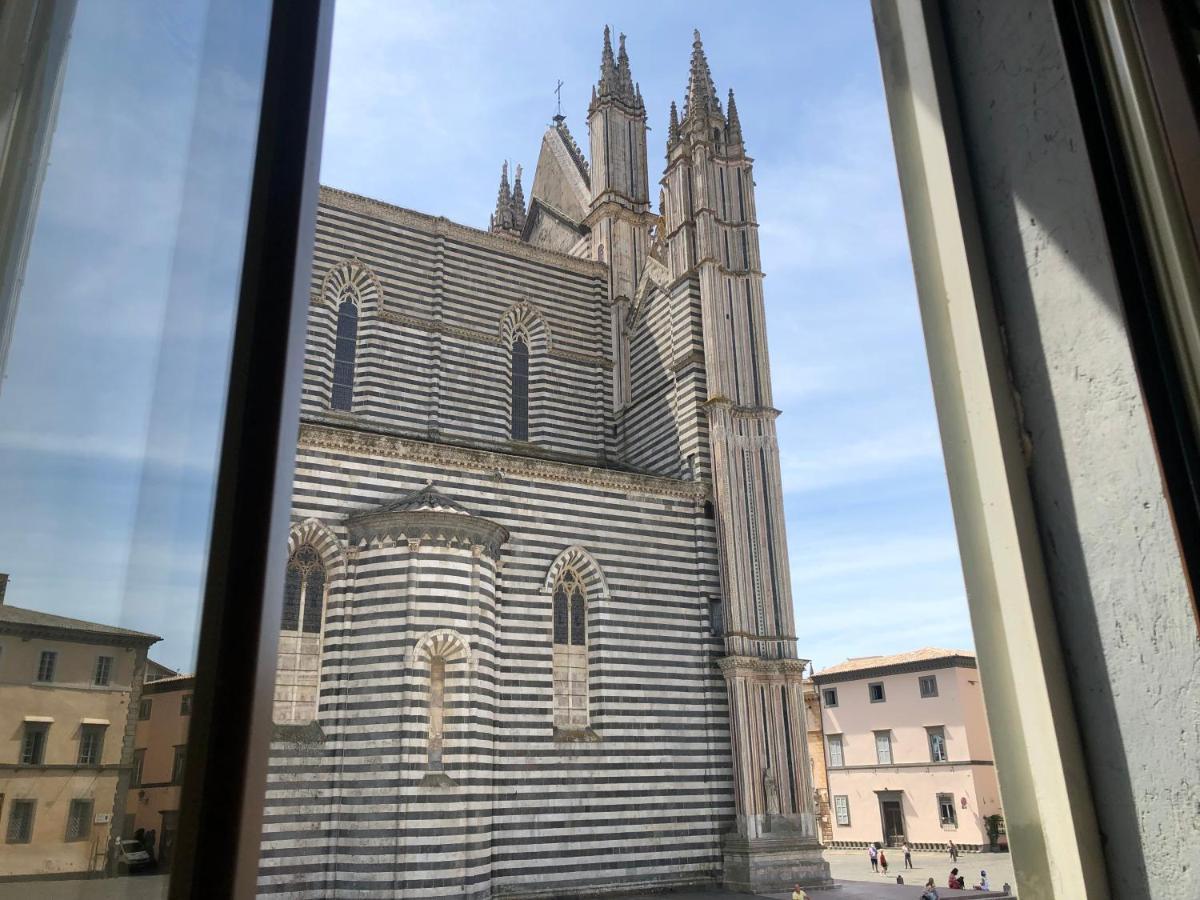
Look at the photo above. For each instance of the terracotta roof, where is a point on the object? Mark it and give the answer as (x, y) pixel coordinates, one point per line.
(17, 617)
(925, 654)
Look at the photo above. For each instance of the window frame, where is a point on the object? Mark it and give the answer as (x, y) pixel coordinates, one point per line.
(826, 693)
(42, 731)
(179, 764)
(185, 705)
(46, 673)
(96, 734)
(145, 708)
(103, 671)
(838, 740)
(946, 801)
(886, 734)
(341, 385)
(921, 680)
(27, 837)
(871, 692)
(521, 433)
(137, 769)
(937, 733)
(838, 813)
(83, 823)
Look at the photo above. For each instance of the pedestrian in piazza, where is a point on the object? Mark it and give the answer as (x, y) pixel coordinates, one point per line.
(874, 854)
(907, 856)
(953, 852)
(882, 861)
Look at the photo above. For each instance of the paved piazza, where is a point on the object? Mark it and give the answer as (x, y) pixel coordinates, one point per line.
(849, 867)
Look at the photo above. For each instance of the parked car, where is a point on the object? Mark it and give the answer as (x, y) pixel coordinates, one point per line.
(132, 857)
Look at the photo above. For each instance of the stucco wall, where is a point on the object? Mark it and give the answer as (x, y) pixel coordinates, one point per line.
(1124, 613)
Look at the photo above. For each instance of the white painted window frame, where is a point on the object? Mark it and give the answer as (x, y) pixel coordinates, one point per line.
(1047, 801)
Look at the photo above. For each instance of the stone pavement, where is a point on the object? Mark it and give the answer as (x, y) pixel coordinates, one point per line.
(852, 865)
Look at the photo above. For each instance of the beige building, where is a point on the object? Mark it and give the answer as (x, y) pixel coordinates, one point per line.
(907, 750)
(66, 738)
(160, 741)
(816, 762)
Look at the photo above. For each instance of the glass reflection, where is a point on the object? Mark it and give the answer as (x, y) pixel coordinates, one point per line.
(121, 277)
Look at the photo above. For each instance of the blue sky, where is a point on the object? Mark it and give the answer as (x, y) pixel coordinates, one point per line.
(426, 99)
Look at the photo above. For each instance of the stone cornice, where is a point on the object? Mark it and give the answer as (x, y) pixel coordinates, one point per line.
(612, 209)
(372, 443)
(757, 667)
(77, 635)
(945, 662)
(876, 767)
(741, 412)
(440, 225)
(384, 526)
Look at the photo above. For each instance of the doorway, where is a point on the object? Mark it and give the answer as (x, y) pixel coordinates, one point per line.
(891, 811)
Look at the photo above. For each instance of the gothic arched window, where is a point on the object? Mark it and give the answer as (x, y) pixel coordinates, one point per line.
(304, 591)
(570, 651)
(343, 354)
(520, 390)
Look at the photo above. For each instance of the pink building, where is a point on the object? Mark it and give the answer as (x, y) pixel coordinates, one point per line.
(907, 750)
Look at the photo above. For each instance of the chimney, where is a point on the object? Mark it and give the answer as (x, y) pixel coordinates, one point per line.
(3, 586)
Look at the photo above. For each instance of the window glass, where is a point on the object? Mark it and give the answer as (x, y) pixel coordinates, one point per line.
(937, 745)
(835, 750)
(128, 145)
(103, 672)
(841, 807)
(883, 747)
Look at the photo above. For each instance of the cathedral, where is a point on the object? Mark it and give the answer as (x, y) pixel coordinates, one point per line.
(537, 634)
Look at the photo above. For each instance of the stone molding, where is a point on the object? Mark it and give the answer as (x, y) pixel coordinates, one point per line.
(377, 527)
(757, 667)
(353, 273)
(366, 443)
(585, 564)
(929, 665)
(335, 198)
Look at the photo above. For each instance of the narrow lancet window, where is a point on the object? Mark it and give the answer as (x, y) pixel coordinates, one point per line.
(343, 358)
(520, 390)
(437, 711)
(570, 651)
(304, 591)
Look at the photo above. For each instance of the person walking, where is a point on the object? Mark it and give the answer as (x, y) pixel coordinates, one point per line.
(953, 853)
(907, 856)
(882, 861)
(874, 854)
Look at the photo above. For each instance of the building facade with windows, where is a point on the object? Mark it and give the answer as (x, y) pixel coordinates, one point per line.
(159, 751)
(68, 697)
(537, 628)
(907, 751)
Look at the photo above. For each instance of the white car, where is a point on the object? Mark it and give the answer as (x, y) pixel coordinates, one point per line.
(131, 856)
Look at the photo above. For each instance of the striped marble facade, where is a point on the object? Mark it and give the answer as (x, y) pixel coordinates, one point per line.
(438, 531)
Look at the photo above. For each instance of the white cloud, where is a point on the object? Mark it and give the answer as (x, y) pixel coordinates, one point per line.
(870, 457)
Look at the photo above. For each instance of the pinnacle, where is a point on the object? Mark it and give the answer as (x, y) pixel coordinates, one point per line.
(616, 78)
(518, 202)
(735, 124)
(503, 219)
(701, 95)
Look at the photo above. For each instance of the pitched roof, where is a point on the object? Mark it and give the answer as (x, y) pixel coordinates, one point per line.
(16, 618)
(911, 658)
(426, 499)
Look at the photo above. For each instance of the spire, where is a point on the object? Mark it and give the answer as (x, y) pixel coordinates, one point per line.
(518, 203)
(624, 77)
(502, 221)
(608, 69)
(701, 95)
(616, 78)
(734, 129)
(673, 127)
